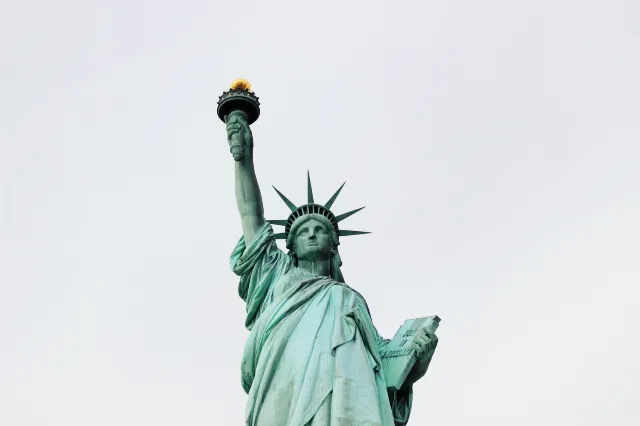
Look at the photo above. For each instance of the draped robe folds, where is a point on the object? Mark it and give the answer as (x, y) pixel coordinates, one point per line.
(312, 357)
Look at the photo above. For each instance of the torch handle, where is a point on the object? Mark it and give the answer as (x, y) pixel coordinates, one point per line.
(236, 144)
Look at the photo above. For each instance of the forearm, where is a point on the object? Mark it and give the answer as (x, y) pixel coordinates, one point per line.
(248, 198)
(417, 372)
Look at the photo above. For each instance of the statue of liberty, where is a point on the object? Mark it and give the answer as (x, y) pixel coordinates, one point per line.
(313, 356)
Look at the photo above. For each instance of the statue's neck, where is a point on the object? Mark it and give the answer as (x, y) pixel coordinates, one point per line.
(317, 267)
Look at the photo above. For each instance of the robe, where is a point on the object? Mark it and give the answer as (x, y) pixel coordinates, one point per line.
(312, 357)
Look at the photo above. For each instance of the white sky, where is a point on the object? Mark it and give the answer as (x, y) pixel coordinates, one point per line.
(495, 144)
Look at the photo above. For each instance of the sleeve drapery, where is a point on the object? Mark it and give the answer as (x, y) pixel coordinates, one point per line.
(259, 265)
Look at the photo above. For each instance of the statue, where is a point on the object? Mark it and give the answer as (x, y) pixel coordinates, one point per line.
(313, 356)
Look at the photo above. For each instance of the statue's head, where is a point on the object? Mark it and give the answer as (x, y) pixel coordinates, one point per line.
(312, 237)
(312, 231)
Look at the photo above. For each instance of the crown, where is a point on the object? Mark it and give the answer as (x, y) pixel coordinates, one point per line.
(312, 208)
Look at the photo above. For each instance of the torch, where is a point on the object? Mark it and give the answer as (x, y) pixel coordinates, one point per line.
(239, 98)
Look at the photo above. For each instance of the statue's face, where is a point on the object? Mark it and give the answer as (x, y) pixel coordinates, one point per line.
(313, 241)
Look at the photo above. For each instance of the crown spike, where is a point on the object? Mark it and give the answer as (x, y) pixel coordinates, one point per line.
(309, 189)
(278, 222)
(345, 233)
(343, 216)
(289, 204)
(329, 203)
(280, 236)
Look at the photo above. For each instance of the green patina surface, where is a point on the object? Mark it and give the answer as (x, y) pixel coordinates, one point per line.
(313, 356)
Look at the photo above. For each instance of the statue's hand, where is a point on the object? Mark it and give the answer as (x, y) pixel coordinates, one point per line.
(425, 343)
(237, 125)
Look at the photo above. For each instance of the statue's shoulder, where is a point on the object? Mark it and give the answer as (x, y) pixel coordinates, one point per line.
(355, 292)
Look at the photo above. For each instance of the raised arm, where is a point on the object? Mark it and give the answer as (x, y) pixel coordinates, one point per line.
(248, 195)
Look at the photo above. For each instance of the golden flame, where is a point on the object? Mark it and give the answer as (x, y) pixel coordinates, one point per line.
(241, 83)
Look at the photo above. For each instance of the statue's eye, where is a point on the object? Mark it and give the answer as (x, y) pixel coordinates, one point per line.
(304, 231)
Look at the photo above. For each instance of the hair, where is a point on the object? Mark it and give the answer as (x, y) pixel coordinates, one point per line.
(335, 261)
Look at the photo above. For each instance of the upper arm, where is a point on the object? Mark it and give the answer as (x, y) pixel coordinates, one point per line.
(251, 224)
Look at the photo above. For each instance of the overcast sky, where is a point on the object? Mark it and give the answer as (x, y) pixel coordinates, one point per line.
(495, 144)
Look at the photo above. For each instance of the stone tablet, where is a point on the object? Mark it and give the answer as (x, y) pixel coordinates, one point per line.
(400, 356)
